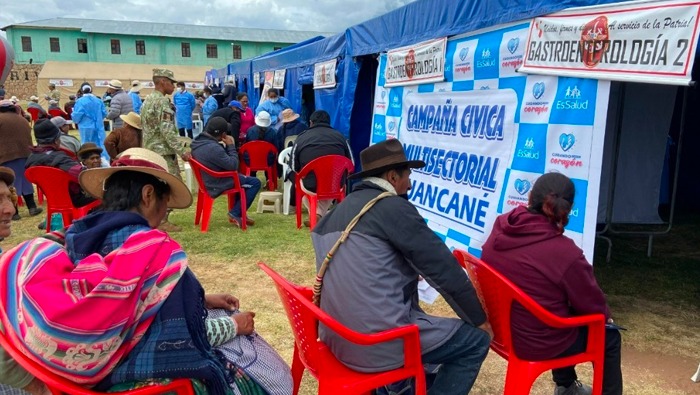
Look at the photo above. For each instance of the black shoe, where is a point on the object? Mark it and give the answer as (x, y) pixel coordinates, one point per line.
(35, 211)
(16, 217)
(42, 225)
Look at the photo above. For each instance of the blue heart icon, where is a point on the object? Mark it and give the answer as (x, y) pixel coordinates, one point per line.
(538, 90)
(463, 53)
(522, 186)
(513, 44)
(566, 141)
(392, 125)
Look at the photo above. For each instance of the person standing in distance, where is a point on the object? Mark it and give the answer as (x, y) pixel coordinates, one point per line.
(159, 131)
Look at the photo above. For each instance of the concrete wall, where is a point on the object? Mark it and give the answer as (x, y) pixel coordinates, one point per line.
(22, 81)
(159, 50)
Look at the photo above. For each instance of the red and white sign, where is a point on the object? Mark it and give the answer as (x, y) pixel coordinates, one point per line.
(651, 42)
(324, 74)
(61, 82)
(416, 64)
(102, 83)
(194, 85)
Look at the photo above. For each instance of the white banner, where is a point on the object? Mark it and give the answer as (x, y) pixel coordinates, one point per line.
(102, 83)
(324, 74)
(148, 84)
(278, 81)
(650, 42)
(416, 64)
(61, 82)
(194, 85)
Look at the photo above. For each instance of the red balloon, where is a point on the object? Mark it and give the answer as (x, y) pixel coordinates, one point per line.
(7, 59)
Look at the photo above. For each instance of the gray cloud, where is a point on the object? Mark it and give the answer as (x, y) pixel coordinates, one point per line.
(313, 15)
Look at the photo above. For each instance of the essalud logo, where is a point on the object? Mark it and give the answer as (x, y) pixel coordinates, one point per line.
(513, 44)
(378, 126)
(463, 53)
(522, 186)
(572, 100)
(538, 90)
(566, 141)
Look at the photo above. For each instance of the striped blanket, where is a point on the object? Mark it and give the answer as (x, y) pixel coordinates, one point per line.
(80, 320)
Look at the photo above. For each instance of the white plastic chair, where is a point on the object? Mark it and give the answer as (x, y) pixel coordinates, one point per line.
(283, 159)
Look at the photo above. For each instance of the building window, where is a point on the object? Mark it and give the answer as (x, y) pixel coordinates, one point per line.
(237, 52)
(140, 47)
(54, 44)
(276, 48)
(116, 47)
(212, 51)
(185, 50)
(82, 45)
(26, 44)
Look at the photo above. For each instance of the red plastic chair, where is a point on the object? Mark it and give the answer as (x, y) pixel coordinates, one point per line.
(34, 113)
(258, 154)
(205, 202)
(497, 295)
(330, 171)
(54, 182)
(39, 194)
(58, 385)
(312, 354)
(57, 112)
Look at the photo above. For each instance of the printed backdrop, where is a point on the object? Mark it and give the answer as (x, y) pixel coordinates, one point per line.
(488, 132)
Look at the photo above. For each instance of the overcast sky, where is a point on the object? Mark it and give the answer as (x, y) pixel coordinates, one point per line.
(313, 15)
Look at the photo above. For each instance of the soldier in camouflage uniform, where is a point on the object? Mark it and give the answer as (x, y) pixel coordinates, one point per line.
(159, 131)
(53, 94)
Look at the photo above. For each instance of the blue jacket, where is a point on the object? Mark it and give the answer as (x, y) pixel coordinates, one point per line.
(210, 105)
(207, 151)
(89, 113)
(275, 109)
(136, 100)
(293, 128)
(184, 105)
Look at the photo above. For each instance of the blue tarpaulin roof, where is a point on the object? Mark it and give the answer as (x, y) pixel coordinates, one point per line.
(427, 19)
(303, 54)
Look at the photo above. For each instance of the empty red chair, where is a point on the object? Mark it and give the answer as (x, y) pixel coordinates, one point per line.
(312, 354)
(58, 385)
(205, 202)
(54, 183)
(257, 154)
(497, 295)
(331, 172)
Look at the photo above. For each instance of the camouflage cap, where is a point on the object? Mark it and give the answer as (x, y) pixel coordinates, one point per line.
(164, 73)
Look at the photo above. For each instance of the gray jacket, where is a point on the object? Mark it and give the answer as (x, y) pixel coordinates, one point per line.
(371, 284)
(121, 104)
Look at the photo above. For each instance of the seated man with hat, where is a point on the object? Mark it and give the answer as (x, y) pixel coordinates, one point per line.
(376, 271)
(121, 103)
(71, 143)
(232, 115)
(89, 156)
(291, 126)
(47, 153)
(33, 103)
(128, 136)
(216, 150)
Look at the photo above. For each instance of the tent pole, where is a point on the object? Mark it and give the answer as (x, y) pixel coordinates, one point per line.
(613, 176)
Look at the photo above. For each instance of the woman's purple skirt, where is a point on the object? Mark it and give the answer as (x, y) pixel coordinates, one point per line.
(23, 186)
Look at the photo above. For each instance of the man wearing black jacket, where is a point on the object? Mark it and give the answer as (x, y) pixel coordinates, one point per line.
(318, 140)
(371, 284)
(215, 149)
(232, 115)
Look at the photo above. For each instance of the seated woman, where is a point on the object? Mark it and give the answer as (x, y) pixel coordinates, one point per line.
(120, 302)
(527, 245)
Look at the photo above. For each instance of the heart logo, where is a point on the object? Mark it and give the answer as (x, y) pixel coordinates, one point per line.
(464, 53)
(513, 44)
(392, 125)
(566, 141)
(538, 90)
(522, 186)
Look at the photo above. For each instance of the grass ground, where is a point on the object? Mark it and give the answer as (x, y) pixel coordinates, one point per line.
(657, 298)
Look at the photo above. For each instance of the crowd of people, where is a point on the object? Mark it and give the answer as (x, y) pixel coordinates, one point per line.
(387, 248)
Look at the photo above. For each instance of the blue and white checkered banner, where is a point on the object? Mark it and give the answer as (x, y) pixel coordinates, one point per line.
(487, 133)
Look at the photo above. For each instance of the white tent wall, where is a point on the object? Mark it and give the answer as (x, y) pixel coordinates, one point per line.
(647, 111)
